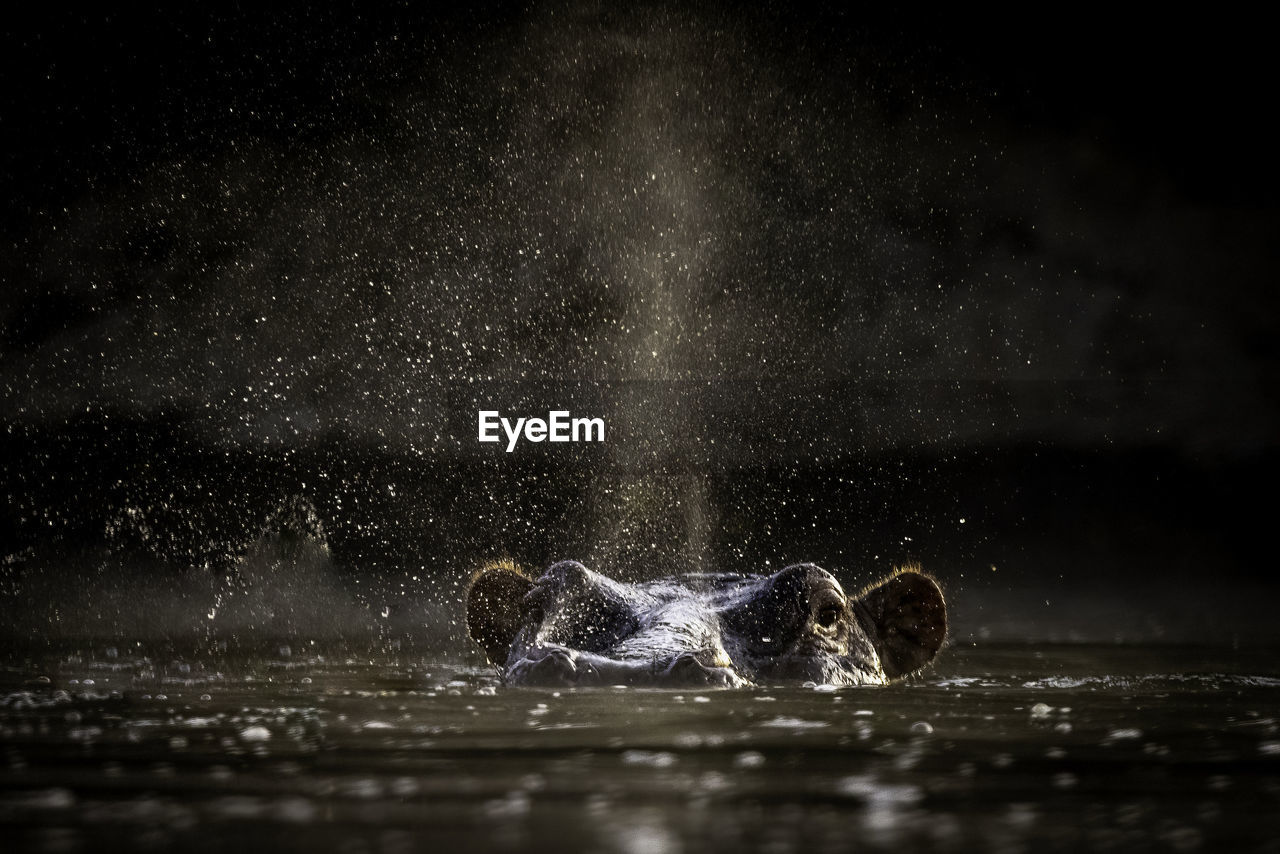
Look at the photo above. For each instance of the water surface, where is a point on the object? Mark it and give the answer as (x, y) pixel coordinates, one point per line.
(997, 747)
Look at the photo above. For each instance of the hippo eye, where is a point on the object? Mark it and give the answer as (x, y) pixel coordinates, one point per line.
(828, 616)
(827, 611)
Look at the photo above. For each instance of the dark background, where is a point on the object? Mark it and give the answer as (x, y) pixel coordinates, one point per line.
(863, 289)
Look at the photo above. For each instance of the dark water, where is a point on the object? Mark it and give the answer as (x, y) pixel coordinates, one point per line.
(1000, 748)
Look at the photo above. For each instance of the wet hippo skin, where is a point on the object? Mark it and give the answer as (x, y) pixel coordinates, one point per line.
(573, 626)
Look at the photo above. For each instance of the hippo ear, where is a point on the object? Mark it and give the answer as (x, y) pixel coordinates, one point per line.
(907, 620)
(494, 609)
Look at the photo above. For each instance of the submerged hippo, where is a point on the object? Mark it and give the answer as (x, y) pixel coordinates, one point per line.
(573, 626)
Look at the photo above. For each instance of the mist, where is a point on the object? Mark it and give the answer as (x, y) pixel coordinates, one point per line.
(836, 292)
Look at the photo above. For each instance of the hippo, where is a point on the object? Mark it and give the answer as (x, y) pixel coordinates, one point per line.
(573, 626)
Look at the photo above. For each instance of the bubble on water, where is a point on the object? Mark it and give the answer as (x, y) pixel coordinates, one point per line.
(485, 691)
(1063, 727)
(959, 682)
(376, 725)
(1122, 734)
(1041, 710)
(1269, 748)
(1065, 780)
(824, 689)
(922, 728)
(650, 758)
(748, 759)
(868, 788)
(255, 733)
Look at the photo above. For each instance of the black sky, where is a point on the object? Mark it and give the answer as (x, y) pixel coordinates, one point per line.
(93, 94)
(1094, 196)
(785, 237)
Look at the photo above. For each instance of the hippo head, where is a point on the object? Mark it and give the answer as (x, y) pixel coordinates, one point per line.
(573, 626)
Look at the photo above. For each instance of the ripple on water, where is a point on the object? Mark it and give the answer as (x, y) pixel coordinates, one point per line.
(787, 722)
(1030, 768)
